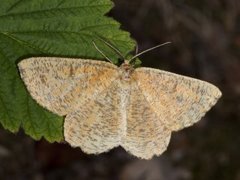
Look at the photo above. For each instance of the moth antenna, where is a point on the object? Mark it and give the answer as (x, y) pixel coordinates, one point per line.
(113, 48)
(101, 52)
(147, 50)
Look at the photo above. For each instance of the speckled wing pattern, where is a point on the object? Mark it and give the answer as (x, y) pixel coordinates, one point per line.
(96, 126)
(60, 84)
(146, 134)
(104, 111)
(177, 100)
(162, 102)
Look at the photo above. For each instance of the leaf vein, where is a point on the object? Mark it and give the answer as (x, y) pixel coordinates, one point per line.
(21, 42)
(14, 5)
(51, 10)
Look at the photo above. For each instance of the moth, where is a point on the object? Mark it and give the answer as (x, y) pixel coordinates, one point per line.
(106, 106)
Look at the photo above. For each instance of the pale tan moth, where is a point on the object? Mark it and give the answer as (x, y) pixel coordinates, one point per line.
(108, 106)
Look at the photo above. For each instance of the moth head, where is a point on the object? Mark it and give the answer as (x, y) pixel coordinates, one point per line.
(126, 70)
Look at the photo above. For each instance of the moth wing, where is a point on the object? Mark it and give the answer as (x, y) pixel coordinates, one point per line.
(146, 134)
(60, 84)
(177, 100)
(97, 125)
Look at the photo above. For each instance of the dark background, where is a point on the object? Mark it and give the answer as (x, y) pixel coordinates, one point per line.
(205, 38)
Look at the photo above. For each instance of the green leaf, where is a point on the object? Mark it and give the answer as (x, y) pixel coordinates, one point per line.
(48, 28)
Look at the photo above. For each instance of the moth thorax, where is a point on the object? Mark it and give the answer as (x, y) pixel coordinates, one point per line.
(126, 70)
